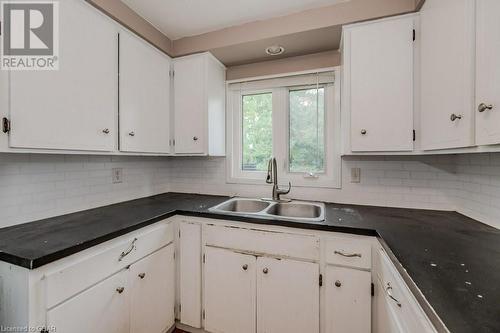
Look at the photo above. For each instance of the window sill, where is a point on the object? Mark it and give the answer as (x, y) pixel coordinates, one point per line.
(308, 183)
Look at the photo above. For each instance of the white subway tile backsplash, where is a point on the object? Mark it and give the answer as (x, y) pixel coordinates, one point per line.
(35, 186)
(468, 183)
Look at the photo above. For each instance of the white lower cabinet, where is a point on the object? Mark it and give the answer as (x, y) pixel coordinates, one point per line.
(152, 292)
(190, 273)
(233, 278)
(396, 308)
(242, 291)
(287, 296)
(229, 291)
(385, 320)
(347, 300)
(103, 308)
(138, 299)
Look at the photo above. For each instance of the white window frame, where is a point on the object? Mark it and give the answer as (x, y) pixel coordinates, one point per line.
(331, 178)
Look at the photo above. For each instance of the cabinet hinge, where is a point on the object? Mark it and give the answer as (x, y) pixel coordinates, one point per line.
(174, 255)
(203, 314)
(321, 280)
(373, 290)
(5, 125)
(171, 73)
(414, 35)
(180, 308)
(179, 234)
(414, 135)
(203, 257)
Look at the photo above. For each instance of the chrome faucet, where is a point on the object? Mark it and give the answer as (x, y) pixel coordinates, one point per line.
(272, 178)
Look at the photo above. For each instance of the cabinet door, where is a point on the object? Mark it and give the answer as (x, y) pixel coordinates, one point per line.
(190, 274)
(381, 85)
(287, 296)
(190, 105)
(100, 309)
(348, 300)
(447, 74)
(144, 97)
(74, 107)
(488, 72)
(229, 291)
(385, 319)
(152, 297)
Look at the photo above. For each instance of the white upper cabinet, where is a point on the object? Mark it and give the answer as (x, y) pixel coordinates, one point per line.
(377, 84)
(488, 72)
(447, 73)
(199, 105)
(144, 97)
(75, 107)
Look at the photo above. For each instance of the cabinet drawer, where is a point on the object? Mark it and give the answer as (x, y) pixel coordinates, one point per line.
(352, 252)
(84, 269)
(261, 241)
(399, 299)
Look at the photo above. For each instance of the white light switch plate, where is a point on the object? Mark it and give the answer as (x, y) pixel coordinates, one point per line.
(355, 175)
(117, 175)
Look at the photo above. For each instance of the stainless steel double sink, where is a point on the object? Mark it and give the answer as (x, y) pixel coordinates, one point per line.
(293, 210)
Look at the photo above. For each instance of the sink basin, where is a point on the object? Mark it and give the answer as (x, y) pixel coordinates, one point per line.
(296, 210)
(293, 211)
(243, 206)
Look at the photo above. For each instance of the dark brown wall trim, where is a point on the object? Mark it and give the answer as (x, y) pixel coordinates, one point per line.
(133, 21)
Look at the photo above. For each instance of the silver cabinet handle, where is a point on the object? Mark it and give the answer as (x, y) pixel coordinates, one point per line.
(195, 138)
(389, 294)
(142, 275)
(483, 107)
(454, 117)
(127, 252)
(120, 290)
(245, 267)
(265, 271)
(105, 131)
(132, 134)
(348, 255)
(363, 131)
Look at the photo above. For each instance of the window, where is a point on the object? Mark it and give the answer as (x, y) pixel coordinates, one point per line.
(295, 119)
(307, 130)
(257, 126)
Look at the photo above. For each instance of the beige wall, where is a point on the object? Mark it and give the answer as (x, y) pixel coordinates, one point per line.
(286, 65)
(338, 14)
(126, 16)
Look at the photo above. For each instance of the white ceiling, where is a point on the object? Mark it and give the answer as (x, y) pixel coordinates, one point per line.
(182, 18)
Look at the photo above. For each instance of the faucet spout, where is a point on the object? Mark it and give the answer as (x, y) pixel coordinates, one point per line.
(272, 178)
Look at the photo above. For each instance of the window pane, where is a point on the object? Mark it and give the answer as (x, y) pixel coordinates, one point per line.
(257, 131)
(307, 130)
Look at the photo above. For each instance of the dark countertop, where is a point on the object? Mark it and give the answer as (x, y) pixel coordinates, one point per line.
(460, 249)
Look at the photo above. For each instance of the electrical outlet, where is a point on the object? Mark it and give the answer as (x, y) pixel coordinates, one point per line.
(117, 175)
(355, 175)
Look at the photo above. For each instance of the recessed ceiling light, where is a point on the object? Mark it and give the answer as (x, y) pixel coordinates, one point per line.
(275, 50)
